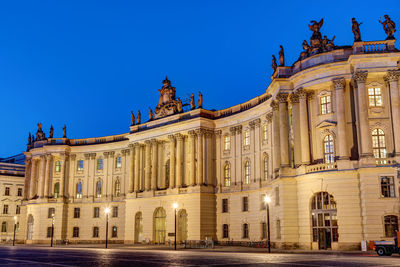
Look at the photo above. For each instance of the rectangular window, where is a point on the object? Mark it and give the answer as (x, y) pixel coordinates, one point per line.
(245, 204)
(246, 138)
(5, 209)
(75, 232)
(50, 212)
(387, 186)
(99, 164)
(278, 229)
(19, 192)
(375, 97)
(325, 104)
(4, 227)
(77, 212)
(245, 230)
(276, 196)
(18, 209)
(118, 162)
(49, 230)
(7, 191)
(114, 231)
(227, 142)
(263, 204)
(115, 212)
(80, 165)
(96, 212)
(265, 132)
(225, 231)
(58, 166)
(95, 231)
(263, 230)
(225, 205)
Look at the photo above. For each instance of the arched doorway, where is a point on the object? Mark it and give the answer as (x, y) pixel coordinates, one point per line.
(182, 226)
(29, 234)
(159, 226)
(324, 220)
(138, 227)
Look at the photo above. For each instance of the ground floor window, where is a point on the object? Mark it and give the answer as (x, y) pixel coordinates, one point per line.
(114, 231)
(263, 230)
(225, 231)
(391, 225)
(49, 229)
(75, 232)
(95, 231)
(4, 227)
(245, 230)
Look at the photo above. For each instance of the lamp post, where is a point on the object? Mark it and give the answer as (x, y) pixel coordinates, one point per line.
(52, 229)
(175, 205)
(107, 211)
(267, 200)
(15, 228)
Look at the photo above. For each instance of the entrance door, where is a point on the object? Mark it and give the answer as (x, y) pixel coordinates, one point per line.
(138, 227)
(324, 238)
(159, 226)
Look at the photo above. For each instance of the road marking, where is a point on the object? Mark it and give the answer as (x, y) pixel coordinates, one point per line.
(38, 262)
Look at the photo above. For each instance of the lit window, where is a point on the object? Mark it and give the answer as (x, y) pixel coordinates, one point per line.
(118, 162)
(246, 138)
(114, 231)
(387, 186)
(391, 225)
(56, 190)
(19, 192)
(80, 165)
(51, 212)
(7, 191)
(325, 104)
(247, 172)
(4, 227)
(225, 231)
(379, 145)
(264, 132)
(117, 188)
(58, 166)
(227, 174)
(79, 190)
(375, 97)
(98, 189)
(77, 213)
(245, 230)
(99, 164)
(265, 167)
(75, 232)
(227, 142)
(329, 155)
(115, 212)
(95, 231)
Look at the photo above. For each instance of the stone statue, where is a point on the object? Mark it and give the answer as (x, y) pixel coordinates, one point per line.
(65, 131)
(39, 125)
(274, 65)
(355, 27)
(138, 117)
(40, 134)
(388, 26)
(179, 106)
(167, 104)
(316, 38)
(306, 47)
(132, 118)
(281, 56)
(192, 106)
(51, 131)
(150, 114)
(200, 101)
(327, 44)
(29, 139)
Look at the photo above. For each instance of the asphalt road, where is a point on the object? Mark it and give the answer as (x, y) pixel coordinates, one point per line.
(43, 256)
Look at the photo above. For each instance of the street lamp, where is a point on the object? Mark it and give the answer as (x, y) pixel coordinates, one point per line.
(107, 211)
(15, 228)
(267, 200)
(175, 205)
(52, 229)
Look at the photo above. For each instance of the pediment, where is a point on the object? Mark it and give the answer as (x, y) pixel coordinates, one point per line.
(326, 124)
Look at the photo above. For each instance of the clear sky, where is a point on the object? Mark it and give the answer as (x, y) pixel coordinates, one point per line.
(87, 64)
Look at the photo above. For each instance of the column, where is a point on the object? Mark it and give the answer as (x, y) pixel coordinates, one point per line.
(253, 165)
(217, 162)
(238, 162)
(69, 187)
(294, 102)
(342, 153)
(208, 162)
(33, 178)
(154, 162)
(28, 164)
(284, 133)
(365, 136)
(90, 184)
(179, 157)
(276, 139)
(136, 147)
(141, 167)
(131, 168)
(200, 175)
(270, 140)
(62, 178)
(233, 153)
(172, 161)
(147, 178)
(393, 78)
(304, 136)
(47, 176)
(41, 176)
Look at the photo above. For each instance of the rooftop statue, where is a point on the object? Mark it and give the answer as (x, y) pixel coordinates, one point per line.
(179, 106)
(132, 118)
(40, 134)
(150, 114)
(138, 117)
(65, 131)
(389, 27)
(192, 105)
(355, 27)
(51, 131)
(281, 56)
(274, 65)
(316, 37)
(29, 139)
(327, 44)
(306, 49)
(167, 104)
(200, 101)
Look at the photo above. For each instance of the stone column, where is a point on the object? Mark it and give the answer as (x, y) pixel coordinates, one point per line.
(47, 175)
(90, 184)
(179, 158)
(154, 162)
(28, 164)
(136, 147)
(32, 186)
(62, 178)
(200, 174)
(147, 178)
(42, 170)
(172, 161)
(233, 153)
(276, 146)
(365, 135)
(217, 161)
(131, 168)
(208, 155)
(342, 153)
(393, 78)
(238, 162)
(304, 136)
(294, 102)
(284, 133)
(269, 117)
(192, 179)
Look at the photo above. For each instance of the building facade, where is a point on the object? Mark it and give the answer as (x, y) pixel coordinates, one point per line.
(323, 142)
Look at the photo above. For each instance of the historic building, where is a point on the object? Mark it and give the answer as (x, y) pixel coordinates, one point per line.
(323, 142)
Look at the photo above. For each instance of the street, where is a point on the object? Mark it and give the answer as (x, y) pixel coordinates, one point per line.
(45, 256)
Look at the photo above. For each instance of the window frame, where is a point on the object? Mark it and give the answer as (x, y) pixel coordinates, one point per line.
(7, 191)
(247, 172)
(77, 212)
(96, 232)
(328, 145)
(379, 146)
(374, 98)
(225, 230)
(245, 204)
(392, 219)
(325, 104)
(80, 165)
(245, 231)
(225, 205)
(227, 174)
(75, 232)
(388, 189)
(227, 142)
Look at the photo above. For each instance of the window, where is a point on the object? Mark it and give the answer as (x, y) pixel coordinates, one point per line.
(18, 209)
(4, 227)
(265, 167)
(56, 190)
(114, 231)
(325, 104)
(387, 186)
(5, 209)
(324, 219)
(80, 165)
(329, 155)
(245, 230)
(75, 232)
(265, 132)
(58, 166)
(17, 227)
(278, 229)
(118, 162)
(99, 164)
(49, 230)
(263, 230)
(263, 204)
(227, 142)
(247, 138)
(95, 231)
(227, 174)
(7, 191)
(50, 212)
(225, 207)
(115, 212)
(245, 204)
(19, 192)
(247, 172)
(98, 189)
(117, 188)
(375, 97)
(79, 190)
(96, 212)
(391, 225)
(225, 231)
(77, 212)
(277, 196)
(379, 145)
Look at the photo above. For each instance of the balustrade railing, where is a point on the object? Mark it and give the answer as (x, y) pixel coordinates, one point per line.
(321, 167)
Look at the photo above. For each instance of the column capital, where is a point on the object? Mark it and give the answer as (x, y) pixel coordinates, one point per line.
(255, 123)
(218, 132)
(269, 117)
(112, 153)
(239, 129)
(302, 93)
(360, 76)
(232, 130)
(72, 156)
(49, 156)
(208, 133)
(87, 155)
(147, 142)
(179, 136)
(274, 105)
(171, 137)
(105, 154)
(192, 133)
(339, 83)
(282, 97)
(294, 98)
(393, 75)
(125, 152)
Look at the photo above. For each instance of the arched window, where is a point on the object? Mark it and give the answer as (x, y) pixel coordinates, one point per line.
(98, 188)
(329, 154)
(247, 172)
(79, 190)
(265, 167)
(56, 190)
(379, 145)
(227, 174)
(391, 225)
(227, 142)
(117, 188)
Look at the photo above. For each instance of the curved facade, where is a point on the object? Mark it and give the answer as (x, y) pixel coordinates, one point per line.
(323, 142)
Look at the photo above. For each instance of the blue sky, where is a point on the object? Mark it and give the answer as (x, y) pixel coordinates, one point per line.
(87, 64)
